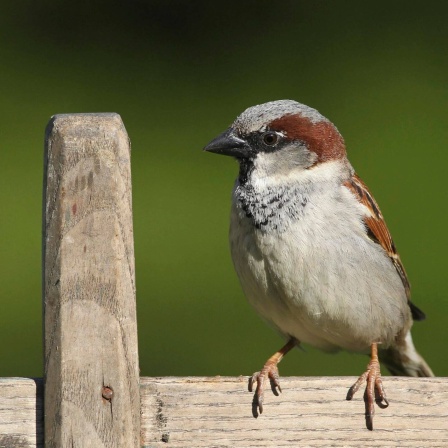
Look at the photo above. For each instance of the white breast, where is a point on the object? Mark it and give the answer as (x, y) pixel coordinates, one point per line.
(318, 277)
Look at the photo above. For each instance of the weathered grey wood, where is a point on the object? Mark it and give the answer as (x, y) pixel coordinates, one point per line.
(91, 357)
(216, 412)
(311, 412)
(21, 413)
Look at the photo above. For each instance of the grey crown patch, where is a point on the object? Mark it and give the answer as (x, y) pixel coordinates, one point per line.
(255, 117)
(272, 210)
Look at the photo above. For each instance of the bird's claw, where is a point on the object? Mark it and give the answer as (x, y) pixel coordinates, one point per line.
(269, 371)
(374, 390)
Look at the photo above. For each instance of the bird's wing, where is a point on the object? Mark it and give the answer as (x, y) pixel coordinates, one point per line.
(377, 230)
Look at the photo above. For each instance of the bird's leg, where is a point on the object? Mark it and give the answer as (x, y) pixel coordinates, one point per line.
(270, 371)
(374, 387)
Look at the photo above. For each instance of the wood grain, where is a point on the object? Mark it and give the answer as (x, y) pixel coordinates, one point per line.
(21, 413)
(217, 412)
(311, 412)
(89, 285)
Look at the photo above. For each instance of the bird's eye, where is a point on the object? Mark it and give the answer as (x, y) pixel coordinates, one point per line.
(270, 138)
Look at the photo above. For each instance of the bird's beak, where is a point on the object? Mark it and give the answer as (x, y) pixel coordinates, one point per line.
(229, 144)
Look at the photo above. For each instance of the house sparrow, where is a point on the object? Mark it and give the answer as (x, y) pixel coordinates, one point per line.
(311, 248)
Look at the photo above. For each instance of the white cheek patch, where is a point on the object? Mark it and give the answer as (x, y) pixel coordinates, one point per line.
(286, 165)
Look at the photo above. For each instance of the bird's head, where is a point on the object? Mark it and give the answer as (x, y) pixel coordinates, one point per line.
(278, 138)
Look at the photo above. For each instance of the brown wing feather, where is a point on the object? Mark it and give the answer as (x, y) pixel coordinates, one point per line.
(377, 230)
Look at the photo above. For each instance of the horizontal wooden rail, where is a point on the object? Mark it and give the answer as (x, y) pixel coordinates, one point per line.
(217, 412)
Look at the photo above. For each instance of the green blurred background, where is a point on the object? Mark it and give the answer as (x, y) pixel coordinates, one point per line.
(179, 72)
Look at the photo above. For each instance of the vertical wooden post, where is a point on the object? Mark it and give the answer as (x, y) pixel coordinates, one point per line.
(91, 356)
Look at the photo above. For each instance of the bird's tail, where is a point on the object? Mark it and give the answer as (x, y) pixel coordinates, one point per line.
(404, 360)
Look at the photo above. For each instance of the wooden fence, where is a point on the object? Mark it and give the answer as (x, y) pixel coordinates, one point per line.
(92, 391)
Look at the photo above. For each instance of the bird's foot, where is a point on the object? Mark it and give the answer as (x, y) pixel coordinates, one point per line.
(374, 388)
(269, 371)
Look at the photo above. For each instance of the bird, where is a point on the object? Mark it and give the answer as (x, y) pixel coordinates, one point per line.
(311, 248)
